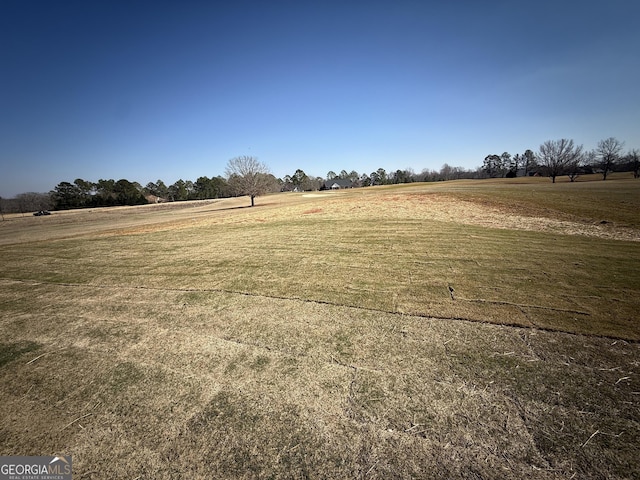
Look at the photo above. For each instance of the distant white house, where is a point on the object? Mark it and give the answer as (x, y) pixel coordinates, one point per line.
(337, 184)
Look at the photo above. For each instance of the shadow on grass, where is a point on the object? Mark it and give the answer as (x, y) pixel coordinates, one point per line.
(11, 351)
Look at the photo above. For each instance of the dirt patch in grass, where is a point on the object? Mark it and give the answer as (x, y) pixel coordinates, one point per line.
(312, 210)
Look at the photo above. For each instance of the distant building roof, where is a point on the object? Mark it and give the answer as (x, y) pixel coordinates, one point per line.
(337, 183)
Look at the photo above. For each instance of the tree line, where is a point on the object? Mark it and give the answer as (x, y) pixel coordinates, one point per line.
(245, 175)
(563, 157)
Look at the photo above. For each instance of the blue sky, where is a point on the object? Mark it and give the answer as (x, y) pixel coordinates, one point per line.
(168, 90)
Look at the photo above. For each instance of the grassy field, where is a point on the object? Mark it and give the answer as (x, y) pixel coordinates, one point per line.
(468, 329)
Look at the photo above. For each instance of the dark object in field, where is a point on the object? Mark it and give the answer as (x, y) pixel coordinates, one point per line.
(40, 213)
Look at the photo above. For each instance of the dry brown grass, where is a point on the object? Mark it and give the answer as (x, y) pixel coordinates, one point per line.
(313, 337)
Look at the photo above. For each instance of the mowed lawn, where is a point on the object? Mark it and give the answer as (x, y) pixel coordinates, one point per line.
(484, 329)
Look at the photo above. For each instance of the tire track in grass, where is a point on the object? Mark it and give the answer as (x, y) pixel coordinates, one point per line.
(354, 307)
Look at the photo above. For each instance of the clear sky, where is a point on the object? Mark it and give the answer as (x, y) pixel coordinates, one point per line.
(148, 90)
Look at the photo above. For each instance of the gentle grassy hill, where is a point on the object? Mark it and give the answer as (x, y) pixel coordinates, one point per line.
(470, 328)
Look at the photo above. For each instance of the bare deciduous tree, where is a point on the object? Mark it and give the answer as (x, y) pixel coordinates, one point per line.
(574, 168)
(247, 176)
(558, 155)
(608, 154)
(32, 201)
